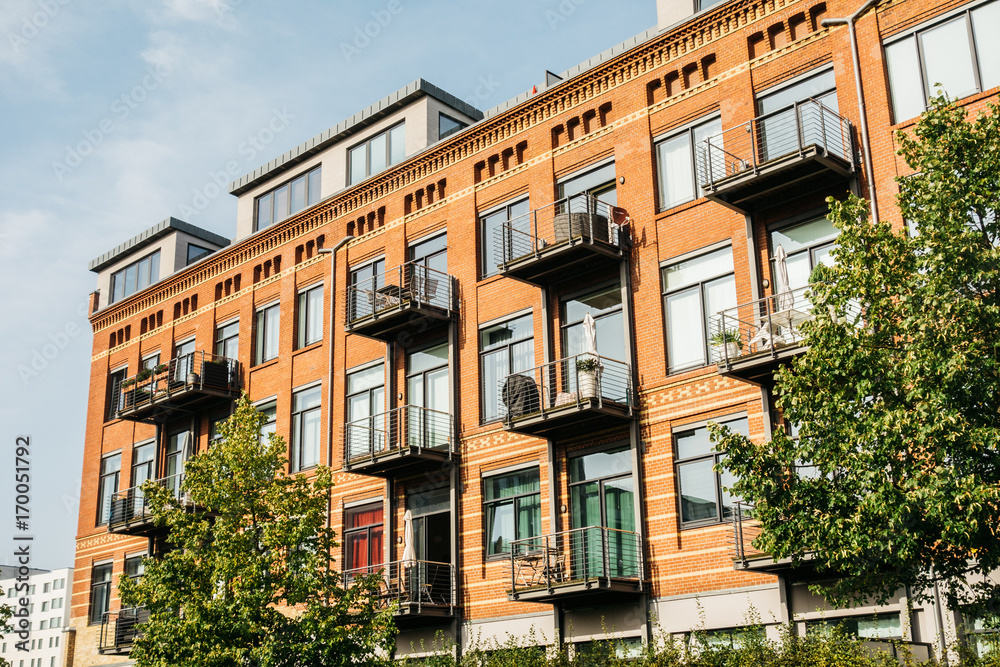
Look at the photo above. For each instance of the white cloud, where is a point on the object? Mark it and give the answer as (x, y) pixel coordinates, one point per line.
(219, 12)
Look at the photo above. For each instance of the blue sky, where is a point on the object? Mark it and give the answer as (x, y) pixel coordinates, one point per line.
(116, 114)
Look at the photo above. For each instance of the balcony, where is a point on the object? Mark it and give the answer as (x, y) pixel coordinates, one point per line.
(120, 629)
(586, 564)
(423, 591)
(406, 439)
(401, 303)
(562, 241)
(130, 513)
(564, 398)
(761, 335)
(180, 386)
(746, 556)
(781, 154)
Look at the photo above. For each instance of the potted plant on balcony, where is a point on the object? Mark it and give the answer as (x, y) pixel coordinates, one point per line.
(587, 369)
(726, 344)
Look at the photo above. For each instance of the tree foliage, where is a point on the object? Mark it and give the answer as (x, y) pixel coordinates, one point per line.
(5, 613)
(247, 578)
(897, 398)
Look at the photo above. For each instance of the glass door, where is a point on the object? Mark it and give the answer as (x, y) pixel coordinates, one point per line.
(603, 542)
(365, 281)
(429, 268)
(429, 581)
(366, 428)
(183, 360)
(428, 423)
(178, 446)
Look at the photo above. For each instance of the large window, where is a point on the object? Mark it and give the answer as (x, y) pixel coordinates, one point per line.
(703, 494)
(598, 183)
(196, 252)
(694, 290)
(143, 461)
(605, 306)
(227, 340)
(498, 238)
(366, 411)
(377, 153)
(808, 245)
(135, 566)
(601, 491)
(882, 626)
(100, 591)
(675, 161)
(115, 397)
(363, 537)
(982, 633)
(270, 410)
(365, 281)
(179, 445)
(135, 277)
(111, 467)
(306, 428)
(448, 126)
(266, 334)
(960, 54)
(784, 129)
(288, 198)
(309, 324)
(505, 348)
(513, 507)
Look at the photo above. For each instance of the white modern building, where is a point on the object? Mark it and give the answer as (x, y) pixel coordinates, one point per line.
(49, 643)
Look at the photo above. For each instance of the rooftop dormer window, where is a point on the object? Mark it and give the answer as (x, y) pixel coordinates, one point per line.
(377, 153)
(135, 277)
(287, 198)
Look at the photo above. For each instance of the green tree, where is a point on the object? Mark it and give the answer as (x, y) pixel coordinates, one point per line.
(247, 579)
(5, 613)
(897, 398)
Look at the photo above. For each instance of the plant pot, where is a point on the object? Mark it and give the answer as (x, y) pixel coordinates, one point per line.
(192, 378)
(726, 352)
(588, 384)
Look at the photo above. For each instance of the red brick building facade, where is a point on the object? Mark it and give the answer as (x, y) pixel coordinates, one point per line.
(649, 190)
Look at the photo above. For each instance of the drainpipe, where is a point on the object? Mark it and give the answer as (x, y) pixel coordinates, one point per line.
(329, 370)
(865, 144)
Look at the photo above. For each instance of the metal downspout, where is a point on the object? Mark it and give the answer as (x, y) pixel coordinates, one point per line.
(863, 116)
(329, 369)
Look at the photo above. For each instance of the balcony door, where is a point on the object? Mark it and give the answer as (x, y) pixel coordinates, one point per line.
(366, 432)
(782, 131)
(430, 579)
(602, 495)
(184, 359)
(428, 397)
(176, 453)
(143, 459)
(365, 280)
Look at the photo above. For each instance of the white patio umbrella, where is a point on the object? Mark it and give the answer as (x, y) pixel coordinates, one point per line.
(590, 334)
(784, 299)
(409, 554)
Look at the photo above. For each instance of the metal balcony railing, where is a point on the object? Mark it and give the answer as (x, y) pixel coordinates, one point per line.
(128, 507)
(563, 383)
(745, 531)
(580, 218)
(409, 426)
(794, 130)
(412, 584)
(120, 629)
(575, 556)
(193, 372)
(762, 326)
(408, 285)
